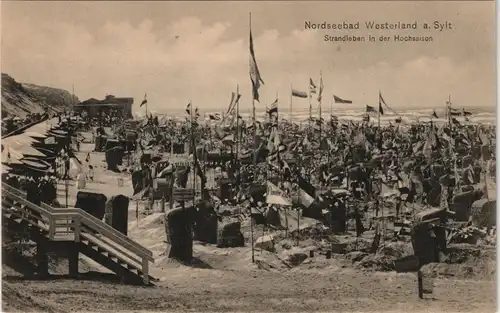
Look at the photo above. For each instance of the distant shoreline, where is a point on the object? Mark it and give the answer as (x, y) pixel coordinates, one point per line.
(325, 110)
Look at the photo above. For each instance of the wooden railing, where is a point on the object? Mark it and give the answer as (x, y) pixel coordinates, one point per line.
(73, 224)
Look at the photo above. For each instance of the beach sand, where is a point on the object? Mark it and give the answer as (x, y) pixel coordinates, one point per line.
(226, 279)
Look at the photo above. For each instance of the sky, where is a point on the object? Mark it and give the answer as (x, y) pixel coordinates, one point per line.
(199, 52)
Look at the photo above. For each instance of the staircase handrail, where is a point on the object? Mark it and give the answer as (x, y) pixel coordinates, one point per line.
(84, 217)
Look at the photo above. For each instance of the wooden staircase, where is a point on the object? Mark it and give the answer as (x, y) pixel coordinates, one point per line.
(72, 231)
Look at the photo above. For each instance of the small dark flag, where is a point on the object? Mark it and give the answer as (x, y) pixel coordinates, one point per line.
(321, 87)
(188, 108)
(312, 86)
(234, 101)
(254, 71)
(145, 101)
(215, 117)
(454, 112)
(434, 114)
(369, 109)
(380, 109)
(274, 108)
(299, 94)
(339, 100)
(380, 101)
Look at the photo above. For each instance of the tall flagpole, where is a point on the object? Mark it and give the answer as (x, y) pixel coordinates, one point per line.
(195, 167)
(277, 109)
(291, 110)
(330, 129)
(320, 120)
(449, 110)
(73, 98)
(331, 107)
(238, 133)
(379, 106)
(310, 106)
(255, 148)
(237, 120)
(278, 134)
(191, 147)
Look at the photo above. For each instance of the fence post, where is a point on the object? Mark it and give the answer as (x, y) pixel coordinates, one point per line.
(78, 228)
(52, 227)
(145, 270)
(420, 285)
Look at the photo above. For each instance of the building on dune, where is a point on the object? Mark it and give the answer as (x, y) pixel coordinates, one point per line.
(111, 105)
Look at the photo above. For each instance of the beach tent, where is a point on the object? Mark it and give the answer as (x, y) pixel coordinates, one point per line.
(92, 203)
(206, 223)
(483, 213)
(116, 213)
(462, 204)
(178, 228)
(230, 235)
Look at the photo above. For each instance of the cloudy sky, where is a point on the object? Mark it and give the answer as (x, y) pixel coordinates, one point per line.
(198, 51)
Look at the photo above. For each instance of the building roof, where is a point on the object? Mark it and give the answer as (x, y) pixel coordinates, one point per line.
(96, 105)
(108, 100)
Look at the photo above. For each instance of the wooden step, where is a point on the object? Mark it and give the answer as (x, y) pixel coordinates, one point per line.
(101, 250)
(121, 268)
(115, 258)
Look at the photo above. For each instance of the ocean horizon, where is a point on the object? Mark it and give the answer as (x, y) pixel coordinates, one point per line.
(478, 115)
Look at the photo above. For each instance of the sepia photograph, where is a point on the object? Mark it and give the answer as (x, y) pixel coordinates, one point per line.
(248, 156)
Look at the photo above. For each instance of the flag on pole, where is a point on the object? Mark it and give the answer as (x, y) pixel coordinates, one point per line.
(370, 109)
(274, 108)
(454, 112)
(434, 114)
(254, 71)
(312, 86)
(380, 101)
(320, 93)
(234, 100)
(214, 117)
(299, 94)
(144, 101)
(306, 192)
(340, 100)
(188, 109)
(276, 196)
